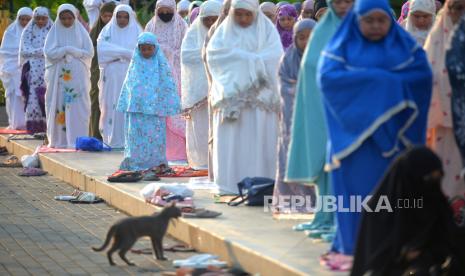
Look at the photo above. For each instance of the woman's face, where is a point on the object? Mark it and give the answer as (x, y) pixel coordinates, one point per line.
(375, 26)
(67, 18)
(243, 17)
(122, 19)
(270, 15)
(308, 13)
(41, 21)
(456, 10)
(208, 21)
(421, 20)
(106, 17)
(319, 14)
(147, 50)
(183, 13)
(341, 7)
(301, 39)
(23, 20)
(287, 22)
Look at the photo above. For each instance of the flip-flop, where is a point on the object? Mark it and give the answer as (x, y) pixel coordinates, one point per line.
(179, 248)
(124, 177)
(87, 198)
(200, 261)
(224, 198)
(174, 248)
(11, 162)
(3, 151)
(202, 213)
(150, 176)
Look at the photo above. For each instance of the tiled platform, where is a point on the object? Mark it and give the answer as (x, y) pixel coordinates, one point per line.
(244, 236)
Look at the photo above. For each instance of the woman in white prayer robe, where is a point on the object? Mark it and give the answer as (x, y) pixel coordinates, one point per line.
(10, 71)
(115, 46)
(68, 53)
(194, 85)
(243, 59)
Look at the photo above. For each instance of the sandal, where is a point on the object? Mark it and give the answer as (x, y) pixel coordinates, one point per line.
(11, 162)
(151, 176)
(201, 213)
(125, 176)
(3, 151)
(87, 198)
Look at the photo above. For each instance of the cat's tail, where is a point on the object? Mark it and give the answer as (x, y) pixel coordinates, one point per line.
(107, 240)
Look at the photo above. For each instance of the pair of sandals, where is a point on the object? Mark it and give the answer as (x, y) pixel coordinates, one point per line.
(11, 162)
(80, 197)
(174, 248)
(125, 176)
(3, 151)
(129, 176)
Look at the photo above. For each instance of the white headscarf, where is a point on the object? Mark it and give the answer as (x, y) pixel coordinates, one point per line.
(112, 37)
(194, 84)
(11, 39)
(10, 48)
(244, 62)
(32, 37)
(427, 6)
(268, 7)
(183, 5)
(75, 36)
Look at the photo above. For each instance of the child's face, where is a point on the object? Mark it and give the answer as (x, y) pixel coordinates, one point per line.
(270, 15)
(422, 20)
(209, 21)
(243, 17)
(122, 19)
(301, 39)
(41, 21)
(183, 13)
(23, 20)
(375, 26)
(287, 22)
(341, 7)
(106, 17)
(66, 18)
(308, 13)
(147, 50)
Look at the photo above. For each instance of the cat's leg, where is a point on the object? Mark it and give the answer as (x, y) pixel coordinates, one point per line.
(124, 248)
(158, 248)
(112, 250)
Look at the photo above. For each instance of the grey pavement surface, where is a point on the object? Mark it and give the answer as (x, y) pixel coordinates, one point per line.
(41, 236)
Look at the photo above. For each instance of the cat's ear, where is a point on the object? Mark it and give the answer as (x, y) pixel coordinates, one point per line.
(172, 204)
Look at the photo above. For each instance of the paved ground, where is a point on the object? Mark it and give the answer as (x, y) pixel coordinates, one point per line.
(40, 236)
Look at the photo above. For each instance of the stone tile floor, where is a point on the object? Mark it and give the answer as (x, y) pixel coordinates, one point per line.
(40, 236)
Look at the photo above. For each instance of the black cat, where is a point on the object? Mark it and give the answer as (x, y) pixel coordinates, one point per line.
(127, 231)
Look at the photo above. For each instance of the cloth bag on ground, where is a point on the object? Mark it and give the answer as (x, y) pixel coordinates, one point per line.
(31, 161)
(91, 144)
(253, 191)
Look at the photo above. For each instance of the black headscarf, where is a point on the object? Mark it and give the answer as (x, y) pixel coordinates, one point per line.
(318, 4)
(385, 237)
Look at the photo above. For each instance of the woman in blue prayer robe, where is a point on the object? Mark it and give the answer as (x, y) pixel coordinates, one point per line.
(376, 88)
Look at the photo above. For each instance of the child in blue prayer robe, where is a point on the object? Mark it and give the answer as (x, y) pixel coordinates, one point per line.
(148, 96)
